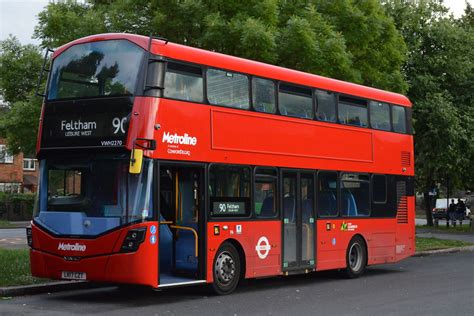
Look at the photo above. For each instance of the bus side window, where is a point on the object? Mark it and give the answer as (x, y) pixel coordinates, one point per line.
(263, 95)
(228, 89)
(326, 106)
(352, 111)
(399, 119)
(184, 82)
(355, 194)
(265, 194)
(295, 101)
(379, 189)
(229, 190)
(380, 116)
(327, 193)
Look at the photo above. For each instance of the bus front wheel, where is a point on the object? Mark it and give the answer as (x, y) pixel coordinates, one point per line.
(226, 269)
(356, 258)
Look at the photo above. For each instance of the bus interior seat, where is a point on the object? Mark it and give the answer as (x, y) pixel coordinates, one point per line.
(348, 204)
(166, 247)
(186, 260)
(268, 209)
(327, 202)
(289, 209)
(307, 210)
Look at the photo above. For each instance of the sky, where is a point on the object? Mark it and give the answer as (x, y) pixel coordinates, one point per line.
(19, 17)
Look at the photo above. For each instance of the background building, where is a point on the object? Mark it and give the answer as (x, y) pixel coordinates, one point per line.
(17, 173)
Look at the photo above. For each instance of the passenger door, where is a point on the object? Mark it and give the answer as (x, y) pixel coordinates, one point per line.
(181, 220)
(297, 202)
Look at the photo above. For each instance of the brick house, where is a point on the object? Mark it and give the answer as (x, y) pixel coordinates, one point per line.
(17, 173)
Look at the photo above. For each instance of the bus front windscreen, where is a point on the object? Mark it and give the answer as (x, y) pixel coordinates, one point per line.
(87, 197)
(104, 68)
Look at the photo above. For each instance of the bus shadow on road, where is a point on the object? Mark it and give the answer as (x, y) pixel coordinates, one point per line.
(114, 297)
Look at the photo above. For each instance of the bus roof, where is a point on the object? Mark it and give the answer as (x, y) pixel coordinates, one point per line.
(218, 60)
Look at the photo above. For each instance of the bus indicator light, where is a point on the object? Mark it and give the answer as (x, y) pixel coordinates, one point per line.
(216, 231)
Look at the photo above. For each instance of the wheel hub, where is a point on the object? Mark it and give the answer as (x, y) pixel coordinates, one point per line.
(355, 257)
(225, 267)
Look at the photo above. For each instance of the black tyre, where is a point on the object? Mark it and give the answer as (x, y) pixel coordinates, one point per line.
(356, 258)
(226, 269)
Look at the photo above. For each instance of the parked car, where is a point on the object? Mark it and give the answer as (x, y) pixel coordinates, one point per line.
(440, 209)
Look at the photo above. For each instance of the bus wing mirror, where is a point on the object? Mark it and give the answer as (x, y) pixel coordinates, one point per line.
(136, 161)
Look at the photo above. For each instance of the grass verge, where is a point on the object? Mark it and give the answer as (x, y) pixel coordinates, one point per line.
(443, 229)
(5, 224)
(423, 244)
(15, 268)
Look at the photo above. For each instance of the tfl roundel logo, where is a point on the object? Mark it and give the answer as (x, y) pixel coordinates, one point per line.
(263, 247)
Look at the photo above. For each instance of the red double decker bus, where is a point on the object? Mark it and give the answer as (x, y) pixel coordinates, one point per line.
(165, 165)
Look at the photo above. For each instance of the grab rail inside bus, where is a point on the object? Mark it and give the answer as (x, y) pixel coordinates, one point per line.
(196, 252)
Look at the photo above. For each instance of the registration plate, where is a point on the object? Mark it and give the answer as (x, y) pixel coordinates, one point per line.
(68, 275)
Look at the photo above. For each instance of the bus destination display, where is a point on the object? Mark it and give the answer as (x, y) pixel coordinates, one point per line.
(228, 208)
(84, 125)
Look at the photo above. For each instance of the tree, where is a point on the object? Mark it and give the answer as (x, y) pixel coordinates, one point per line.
(439, 70)
(353, 41)
(19, 125)
(19, 69)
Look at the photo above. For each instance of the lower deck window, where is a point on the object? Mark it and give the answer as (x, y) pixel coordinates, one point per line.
(265, 198)
(355, 194)
(229, 191)
(327, 193)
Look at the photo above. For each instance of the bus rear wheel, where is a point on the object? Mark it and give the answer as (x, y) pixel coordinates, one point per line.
(356, 258)
(226, 269)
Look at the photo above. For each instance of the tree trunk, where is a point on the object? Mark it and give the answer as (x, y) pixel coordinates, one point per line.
(429, 217)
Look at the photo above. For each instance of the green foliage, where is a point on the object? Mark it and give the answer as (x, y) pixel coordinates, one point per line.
(19, 125)
(19, 69)
(17, 205)
(344, 39)
(64, 21)
(440, 73)
(15, 268)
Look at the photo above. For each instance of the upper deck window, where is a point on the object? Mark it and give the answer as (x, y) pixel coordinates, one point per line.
(263, 95)
(326, 106)
(184, 82)
(399, 119)
(228, 89)
(353, 111)
(380, 115)
(105, 68)
(295, 101)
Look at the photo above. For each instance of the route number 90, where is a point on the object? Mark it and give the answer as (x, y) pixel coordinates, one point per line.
(119, 124)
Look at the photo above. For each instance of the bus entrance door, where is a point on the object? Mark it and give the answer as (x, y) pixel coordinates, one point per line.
(298, 220)
(181, 204)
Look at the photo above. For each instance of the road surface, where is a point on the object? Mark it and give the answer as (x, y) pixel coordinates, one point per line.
(13, 238)
(432, 285)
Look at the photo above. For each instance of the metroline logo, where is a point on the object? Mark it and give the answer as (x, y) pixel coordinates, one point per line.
(72, 247)
(179, 139)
